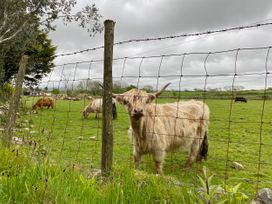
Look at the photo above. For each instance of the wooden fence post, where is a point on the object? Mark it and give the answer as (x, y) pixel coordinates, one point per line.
(15, 101)
(107, 135)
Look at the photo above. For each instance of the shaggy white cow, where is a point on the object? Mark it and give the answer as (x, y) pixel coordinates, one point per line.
(95, 106)
(160, 128)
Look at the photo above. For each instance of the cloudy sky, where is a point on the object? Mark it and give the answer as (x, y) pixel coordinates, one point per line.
(158, 18)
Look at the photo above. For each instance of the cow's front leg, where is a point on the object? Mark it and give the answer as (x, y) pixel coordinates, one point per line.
(193, 156)
(159, 159)
(137, 157)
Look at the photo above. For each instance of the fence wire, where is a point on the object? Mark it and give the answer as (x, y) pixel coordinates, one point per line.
(238, 132)
(256, 25)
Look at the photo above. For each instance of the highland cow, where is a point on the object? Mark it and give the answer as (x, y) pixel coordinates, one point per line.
(43, 102)
(95, 106)
(240, 99)
(161, 128)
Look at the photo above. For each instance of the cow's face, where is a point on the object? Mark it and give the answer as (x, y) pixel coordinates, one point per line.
(85, 115)
(136, 100)
(87, 111)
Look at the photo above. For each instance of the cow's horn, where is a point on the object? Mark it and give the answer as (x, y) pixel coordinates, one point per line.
(160, 92)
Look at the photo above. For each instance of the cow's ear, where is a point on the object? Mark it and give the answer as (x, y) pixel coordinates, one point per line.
(120, 98)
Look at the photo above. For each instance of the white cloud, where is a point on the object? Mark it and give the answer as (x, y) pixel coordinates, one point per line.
(153, 18)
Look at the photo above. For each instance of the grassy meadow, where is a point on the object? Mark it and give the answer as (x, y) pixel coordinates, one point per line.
(238, 132)
(73, 140)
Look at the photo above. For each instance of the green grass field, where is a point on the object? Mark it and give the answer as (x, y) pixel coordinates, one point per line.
(235, 134)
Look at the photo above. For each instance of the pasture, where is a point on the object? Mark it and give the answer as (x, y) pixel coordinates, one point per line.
(235, 134)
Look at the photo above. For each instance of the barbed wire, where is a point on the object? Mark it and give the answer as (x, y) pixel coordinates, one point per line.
(159, 56)
(169, 37)
(77, 140)
(171, 55)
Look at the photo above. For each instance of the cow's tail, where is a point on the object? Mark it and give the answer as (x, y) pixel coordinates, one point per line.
(204, 147)
(114, 111)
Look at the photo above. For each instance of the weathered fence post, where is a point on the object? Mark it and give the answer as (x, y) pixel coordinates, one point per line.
(15, 101)
(107, 135)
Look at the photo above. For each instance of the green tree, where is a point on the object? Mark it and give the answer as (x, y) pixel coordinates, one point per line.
(24, 23)
(41, 56)
(91, 87)
(95, 88)
(17, 16)
(83, 86)
(118, 86)
(6, 91)
(148, 88)
(130, 87)
(56, 91)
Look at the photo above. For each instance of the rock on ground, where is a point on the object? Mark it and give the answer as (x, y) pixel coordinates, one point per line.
(264, 196)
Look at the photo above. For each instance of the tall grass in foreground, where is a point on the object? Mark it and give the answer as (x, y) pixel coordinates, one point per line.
(25, 178)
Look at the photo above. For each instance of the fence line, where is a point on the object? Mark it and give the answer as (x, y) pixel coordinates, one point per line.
(170, 37)
(71, 139)
(261, 120)
(15, 101)
(171, 55)
(234, 75)
(107, 131)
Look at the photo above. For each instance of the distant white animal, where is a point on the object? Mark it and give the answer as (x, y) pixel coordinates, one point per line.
(95, 106)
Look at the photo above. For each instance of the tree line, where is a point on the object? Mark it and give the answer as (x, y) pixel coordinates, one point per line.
(90, 87)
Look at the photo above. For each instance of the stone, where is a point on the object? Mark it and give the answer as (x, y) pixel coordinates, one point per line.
(237, 165)
(93, 138)
(264, 196)
(23, 124)
(95, 173)
(17, 140)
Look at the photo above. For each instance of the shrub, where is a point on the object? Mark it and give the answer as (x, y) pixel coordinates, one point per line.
(6, 91)
(56, 91)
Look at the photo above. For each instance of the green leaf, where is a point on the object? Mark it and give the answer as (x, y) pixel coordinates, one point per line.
(222, 201)
(236, 188)
(203, 183)
(210, 179)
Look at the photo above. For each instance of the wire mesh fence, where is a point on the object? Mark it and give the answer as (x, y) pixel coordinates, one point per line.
(239, 131)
